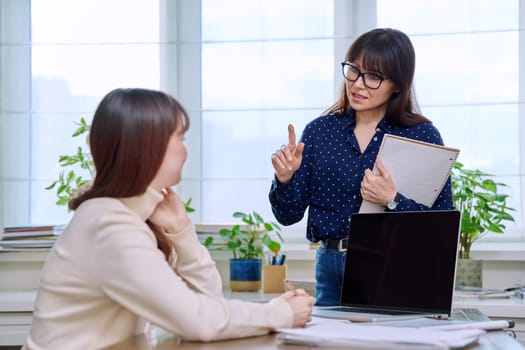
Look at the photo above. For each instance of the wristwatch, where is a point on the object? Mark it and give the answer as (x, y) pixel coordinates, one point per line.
(393, 203)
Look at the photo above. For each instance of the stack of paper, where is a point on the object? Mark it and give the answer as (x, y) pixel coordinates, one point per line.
(342, 333)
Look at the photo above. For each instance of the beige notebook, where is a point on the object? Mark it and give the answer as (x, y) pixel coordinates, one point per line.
(419, 169)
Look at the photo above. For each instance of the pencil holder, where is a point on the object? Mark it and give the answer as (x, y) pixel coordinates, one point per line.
(274, 277)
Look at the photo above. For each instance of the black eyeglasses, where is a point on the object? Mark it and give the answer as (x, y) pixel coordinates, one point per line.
(371, 80)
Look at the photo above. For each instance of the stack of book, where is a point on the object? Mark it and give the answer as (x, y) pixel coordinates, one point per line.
(29, 237)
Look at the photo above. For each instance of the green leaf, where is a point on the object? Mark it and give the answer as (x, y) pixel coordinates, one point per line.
(50, 187)
(208, 241)
(495, 228)
(489, 185)
(62, 188)
(224, 232)
(187, 206)
(83, 127)
(258, 218)
(234, 244)
(248, 219)
(239, 214)
(70, 176)
(80, 182)
(62, 201)
(507, 216)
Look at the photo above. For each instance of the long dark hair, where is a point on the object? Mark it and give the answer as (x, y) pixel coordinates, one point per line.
(128, 138)
(390, 52)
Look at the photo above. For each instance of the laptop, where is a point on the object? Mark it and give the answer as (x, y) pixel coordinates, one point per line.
(399, 265)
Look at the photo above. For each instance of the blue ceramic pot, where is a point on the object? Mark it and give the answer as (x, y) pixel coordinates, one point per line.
(245, 275)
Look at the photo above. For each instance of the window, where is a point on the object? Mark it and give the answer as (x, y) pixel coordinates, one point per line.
(67, 61)
(468, 80)
(274, 63)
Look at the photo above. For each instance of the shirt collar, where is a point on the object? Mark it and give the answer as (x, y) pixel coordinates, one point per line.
(144, 204)
(383, 125)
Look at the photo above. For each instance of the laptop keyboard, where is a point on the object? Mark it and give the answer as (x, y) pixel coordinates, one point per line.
(468, 314)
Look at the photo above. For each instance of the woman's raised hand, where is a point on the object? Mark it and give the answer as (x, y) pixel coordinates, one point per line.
(287, 159)
(170, 214)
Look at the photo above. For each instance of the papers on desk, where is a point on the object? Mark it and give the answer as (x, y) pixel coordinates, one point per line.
(342, 333)
(450, 324)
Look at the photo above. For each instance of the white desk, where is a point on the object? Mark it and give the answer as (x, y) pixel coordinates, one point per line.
(16, 310)
(20, 271)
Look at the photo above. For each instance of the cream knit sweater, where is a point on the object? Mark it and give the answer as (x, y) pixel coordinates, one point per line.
(105, 277)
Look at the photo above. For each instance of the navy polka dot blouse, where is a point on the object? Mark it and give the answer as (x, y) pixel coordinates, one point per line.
(329, 179)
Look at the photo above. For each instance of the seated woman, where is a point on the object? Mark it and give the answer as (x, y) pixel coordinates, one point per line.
(130, 254)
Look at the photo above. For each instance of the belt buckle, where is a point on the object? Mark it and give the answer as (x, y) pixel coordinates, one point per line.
(340, 246)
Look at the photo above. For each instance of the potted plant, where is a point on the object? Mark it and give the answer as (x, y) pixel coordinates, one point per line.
(248, 244)
(69, 182)
(483, 209)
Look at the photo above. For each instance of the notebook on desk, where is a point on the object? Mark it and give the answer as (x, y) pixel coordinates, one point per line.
(399, 265)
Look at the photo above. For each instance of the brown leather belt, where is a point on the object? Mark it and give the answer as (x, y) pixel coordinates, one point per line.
(339, 244)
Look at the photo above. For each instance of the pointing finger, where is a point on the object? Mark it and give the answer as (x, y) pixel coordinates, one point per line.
(291, 135)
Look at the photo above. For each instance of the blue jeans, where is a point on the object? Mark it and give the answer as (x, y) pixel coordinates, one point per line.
(329, 272)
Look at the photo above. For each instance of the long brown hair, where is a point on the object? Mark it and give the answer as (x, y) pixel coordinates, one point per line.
(390, 52)
(128, 138)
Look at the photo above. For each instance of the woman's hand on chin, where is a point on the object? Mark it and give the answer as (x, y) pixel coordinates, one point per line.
(170, 214)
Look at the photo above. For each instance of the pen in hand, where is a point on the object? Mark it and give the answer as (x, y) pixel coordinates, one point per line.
(291, 287)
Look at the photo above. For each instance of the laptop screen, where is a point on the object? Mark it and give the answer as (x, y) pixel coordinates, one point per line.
(402, 261)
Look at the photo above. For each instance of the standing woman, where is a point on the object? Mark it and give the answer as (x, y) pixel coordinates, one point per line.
(329, 171)
(130, 253)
